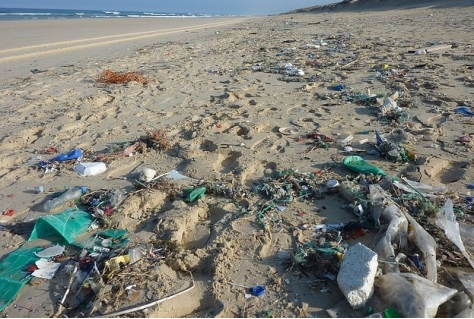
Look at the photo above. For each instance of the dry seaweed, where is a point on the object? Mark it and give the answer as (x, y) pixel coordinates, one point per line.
(109, 76)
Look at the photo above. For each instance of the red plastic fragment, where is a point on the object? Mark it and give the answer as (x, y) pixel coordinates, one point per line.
(8, 212)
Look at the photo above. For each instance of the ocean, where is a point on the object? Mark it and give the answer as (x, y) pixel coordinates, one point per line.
(32, 14)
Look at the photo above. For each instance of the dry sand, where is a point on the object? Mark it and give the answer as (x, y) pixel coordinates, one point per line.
(224, 119)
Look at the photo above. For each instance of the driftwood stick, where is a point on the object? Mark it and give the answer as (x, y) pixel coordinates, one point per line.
(148, 305)
(71, 280)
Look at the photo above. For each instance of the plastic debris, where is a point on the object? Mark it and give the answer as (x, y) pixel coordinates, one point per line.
(46, 269)
(51, 252)
(463, 110)
(147, 174)
(447, 221)
(192, 194)
(90, 168)
(359, 165)
(357, 273)
(412, 295)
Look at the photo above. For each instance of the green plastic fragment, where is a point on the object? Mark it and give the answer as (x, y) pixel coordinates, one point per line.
(359, 165)
(193, 194)
(391, 313)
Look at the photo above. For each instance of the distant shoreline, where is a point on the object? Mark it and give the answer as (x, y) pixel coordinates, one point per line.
(22, 14)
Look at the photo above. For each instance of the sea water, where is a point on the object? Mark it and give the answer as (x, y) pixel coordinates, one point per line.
(32, 14)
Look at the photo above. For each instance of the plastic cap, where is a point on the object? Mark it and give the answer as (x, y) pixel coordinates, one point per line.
(83, 189)
(258, 291)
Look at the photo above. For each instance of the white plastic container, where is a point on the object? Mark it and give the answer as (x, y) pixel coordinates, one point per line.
(90, 168)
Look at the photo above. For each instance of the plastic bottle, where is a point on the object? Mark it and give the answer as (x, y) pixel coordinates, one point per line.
(100, 249)
(359, 165)
(69, 195)
(135, 254)
(116, 198)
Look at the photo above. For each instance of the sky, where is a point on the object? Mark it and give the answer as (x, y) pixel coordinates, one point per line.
(238, 7)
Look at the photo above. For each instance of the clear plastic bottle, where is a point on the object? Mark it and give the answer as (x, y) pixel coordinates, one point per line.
(116, 198)
(100, 249)
(66, 197)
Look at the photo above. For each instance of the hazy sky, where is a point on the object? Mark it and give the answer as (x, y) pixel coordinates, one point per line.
(245, 7)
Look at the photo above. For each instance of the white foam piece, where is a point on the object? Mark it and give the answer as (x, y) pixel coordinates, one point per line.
(50, 252)
(46, 269)
(357, 274)
(90, 168)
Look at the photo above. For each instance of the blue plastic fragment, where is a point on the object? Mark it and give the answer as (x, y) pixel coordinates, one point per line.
(378, 138)
(339, 87)
(74, 154)
(464, 111)
(416, 261)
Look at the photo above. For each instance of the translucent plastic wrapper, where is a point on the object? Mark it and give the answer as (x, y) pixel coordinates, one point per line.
(377, 201)
(117, 197)
(413, 296)
(467, 313)
(398, 225)
(389, 106)
(385, 252)
(467, 280)
(349, 191)
(447, 221)
(426, 244)
(467, 235)
(419, 188)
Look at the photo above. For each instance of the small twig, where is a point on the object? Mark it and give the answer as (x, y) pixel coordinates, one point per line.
(395, 263)
(71, 280)
(238, 285)
(146, 186)
(128, 274)
(148, 305)
(452, 278)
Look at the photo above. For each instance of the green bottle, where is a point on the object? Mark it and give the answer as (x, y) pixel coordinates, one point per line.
(359, 165)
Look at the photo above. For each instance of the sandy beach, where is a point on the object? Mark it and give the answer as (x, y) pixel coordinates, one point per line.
(256, 110)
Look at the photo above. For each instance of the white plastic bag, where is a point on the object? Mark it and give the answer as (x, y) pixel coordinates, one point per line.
(447, 221)
(413, 296)
(386, 254)
(398, 225)
(377, 202)
(425, 242)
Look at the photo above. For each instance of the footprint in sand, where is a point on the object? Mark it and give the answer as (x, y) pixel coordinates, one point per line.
(279, 146)
(252, 173)
(201, 234)
(264, 143)
(444, 171)
(268, 111)
(239, 131)
(227, 161)
(208, 146)
(99, 100)
(431, 119)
